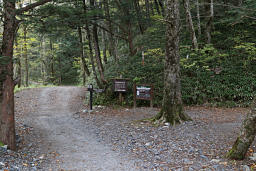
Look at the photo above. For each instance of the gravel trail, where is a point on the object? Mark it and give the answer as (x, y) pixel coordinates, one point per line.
(68, 137)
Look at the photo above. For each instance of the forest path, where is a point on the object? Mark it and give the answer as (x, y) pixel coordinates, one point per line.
(60, 131)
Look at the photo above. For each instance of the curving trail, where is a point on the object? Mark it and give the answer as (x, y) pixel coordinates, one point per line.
(78, 149)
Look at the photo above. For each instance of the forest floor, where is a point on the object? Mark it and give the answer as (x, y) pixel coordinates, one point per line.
(56, 131)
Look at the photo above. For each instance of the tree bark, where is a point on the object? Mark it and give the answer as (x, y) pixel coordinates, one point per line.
(172, 107)
(246, 136)
(191, 26)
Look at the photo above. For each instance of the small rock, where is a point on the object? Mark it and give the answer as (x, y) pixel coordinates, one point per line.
(253, 157)
(167, 124)
(246, 168)
(148, 144)
(215, 161)
(204, 157)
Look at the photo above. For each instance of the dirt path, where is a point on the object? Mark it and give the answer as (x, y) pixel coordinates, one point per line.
(75, 147)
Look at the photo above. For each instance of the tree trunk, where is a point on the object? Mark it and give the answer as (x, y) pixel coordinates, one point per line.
(104, 44)
(97, 54)
(88, 33)
(111, 44)
(157, 7)
(172, 107)
(25, 48)
(209, 24)
(246, 136)
(7, 124)
(139, 16)
(191, 26)
(52, 62)
(162, 7)
(198, 19)
(84, 65)
(18, 64)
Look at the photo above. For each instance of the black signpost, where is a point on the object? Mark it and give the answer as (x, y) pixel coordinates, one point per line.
(90, 89)
(143, 92)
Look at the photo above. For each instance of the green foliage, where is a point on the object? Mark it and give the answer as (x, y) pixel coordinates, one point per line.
(1, 144)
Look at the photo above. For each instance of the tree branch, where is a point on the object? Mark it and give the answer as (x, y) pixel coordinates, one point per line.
(31, 6)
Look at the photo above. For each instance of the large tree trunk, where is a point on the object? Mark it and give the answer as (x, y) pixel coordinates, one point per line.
(25, 48)
(7, 124)
(172, 107)
(246, 136)
(191, 26)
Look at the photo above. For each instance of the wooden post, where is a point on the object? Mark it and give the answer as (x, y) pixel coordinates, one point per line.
(120, 97)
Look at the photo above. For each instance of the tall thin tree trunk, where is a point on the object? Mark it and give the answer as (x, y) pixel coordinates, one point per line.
(147, 5)
(111, 44)
(172, 107)
(18, 64)
(191, 26)
(209, 24)
(104, 44)
(139, 16)
(97, 48)
(161, 4)
(198, 19)
(84, 65)
(52, 61)
(97, 53)
(157, 7)
(246, 136)
(88, 33)
(7, 123)
(25, 48)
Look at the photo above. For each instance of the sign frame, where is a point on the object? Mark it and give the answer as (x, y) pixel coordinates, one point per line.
(135, 96)
(123, 81)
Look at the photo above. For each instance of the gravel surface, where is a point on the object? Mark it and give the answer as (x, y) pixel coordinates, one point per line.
(55, 131)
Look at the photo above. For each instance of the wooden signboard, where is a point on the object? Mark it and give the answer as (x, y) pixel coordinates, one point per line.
(120, 85)
(143, 92)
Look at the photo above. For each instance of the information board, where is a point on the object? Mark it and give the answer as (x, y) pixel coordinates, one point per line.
(120, 85)
(143, 92)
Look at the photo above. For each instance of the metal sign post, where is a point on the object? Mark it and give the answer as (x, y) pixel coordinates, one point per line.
(90, 88)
